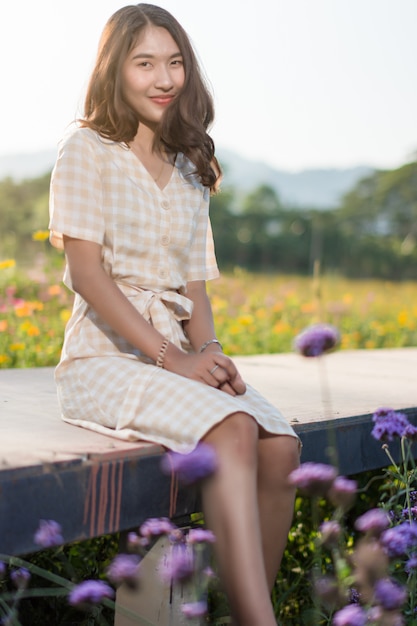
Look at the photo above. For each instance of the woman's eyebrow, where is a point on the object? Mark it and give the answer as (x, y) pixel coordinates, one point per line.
(149, 55)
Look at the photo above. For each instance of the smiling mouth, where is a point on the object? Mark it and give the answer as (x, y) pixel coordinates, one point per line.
(163, 100)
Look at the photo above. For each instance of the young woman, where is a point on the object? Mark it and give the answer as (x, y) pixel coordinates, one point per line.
(129, 204)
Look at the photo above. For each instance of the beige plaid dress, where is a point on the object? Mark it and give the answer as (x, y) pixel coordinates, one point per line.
(153, 242)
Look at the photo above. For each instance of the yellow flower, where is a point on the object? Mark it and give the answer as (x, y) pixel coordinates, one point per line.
(245, 320)
(64, 315)
(4, 358)
(30, 329)
(402, 318)
(40, 235)
(7, 263)
(15, 347)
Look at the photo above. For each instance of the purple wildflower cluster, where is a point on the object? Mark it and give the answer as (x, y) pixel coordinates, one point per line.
(49, 534)
(400, 540)
(389, 424)
(319, 479)
(124, 569)
(350, 615)
(316, 340)
(373, 522)
(180, 564)
(90, 592)
(313, 479)
(193, 467)
(20, 577)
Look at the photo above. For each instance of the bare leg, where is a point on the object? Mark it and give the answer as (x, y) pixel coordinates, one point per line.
(230, 505)
(277, 457)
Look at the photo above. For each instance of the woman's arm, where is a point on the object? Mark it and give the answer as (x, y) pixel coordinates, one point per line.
(89, 279)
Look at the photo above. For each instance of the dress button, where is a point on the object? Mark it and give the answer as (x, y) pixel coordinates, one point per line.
(165, 204)
(162, 274)
(165, 240)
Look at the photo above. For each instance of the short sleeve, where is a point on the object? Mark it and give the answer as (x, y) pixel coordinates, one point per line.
(76, 191)
(202, 263)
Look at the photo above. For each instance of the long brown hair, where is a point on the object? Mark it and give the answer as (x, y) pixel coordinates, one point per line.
(183, 127)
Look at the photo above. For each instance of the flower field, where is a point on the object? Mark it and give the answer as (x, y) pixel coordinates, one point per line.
(254, 313)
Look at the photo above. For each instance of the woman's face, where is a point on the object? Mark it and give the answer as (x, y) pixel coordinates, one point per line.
(152, 74)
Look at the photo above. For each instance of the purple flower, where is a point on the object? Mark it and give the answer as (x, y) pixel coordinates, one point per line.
(350, 615)
(389, 594)
(354, 596)
(200, 535)
(178, 565)
(192, 467)
(410, 432)
(48, 534)
(406, 513)
(330, 533)
(124, 568)
(389, 424)
(374, 522)
(20, 577)
(397, 541)
(411, 564)
(342, 493)
(313, 479)
(2, 569)
(316, 340)
(194, 609)
(156, 526)
(90, 592)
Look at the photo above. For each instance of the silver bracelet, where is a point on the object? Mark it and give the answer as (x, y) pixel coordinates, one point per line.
(207, 343)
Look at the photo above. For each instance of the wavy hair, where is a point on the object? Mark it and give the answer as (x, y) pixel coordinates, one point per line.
(183, 127)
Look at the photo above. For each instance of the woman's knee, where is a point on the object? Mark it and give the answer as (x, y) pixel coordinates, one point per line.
(236, 436)
(277, 457)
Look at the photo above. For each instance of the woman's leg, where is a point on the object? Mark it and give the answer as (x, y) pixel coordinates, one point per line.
(230, 504)
(278, 455)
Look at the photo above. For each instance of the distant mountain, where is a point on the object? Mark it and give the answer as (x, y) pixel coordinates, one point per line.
(320, 188)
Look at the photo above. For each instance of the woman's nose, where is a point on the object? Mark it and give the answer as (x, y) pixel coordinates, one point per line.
(163, 77)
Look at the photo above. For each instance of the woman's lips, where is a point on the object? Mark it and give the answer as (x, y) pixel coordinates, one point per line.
(162, 100)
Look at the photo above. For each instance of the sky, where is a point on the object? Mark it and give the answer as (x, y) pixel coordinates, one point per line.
(297, 84)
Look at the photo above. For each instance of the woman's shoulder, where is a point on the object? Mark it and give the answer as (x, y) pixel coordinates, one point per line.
(87, 138)
(78, 135)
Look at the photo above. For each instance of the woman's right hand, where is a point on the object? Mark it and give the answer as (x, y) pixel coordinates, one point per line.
(212, 368)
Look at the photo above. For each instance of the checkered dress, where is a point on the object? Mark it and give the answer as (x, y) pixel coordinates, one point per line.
(153, 242)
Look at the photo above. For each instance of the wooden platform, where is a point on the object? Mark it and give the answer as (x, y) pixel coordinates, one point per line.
(93, 484)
